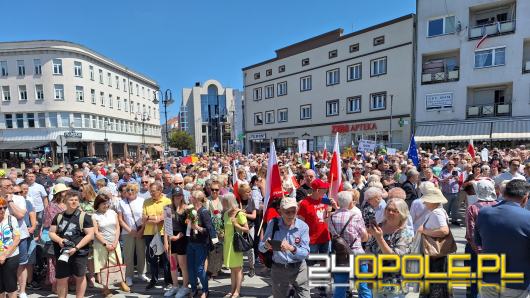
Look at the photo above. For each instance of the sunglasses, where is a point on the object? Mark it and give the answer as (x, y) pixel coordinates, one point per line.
(215, 189)
(3, 208)
(129, 190)
(17, 192)
(179, 183)
(145, 182)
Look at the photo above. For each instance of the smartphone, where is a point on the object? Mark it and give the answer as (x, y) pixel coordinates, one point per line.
(276, 245)
(455, 173)
(372, 222)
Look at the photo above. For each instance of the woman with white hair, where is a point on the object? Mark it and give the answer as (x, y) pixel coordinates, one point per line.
(112, 185)
(348, 222)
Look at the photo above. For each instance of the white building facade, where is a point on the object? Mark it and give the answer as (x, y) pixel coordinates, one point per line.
(208, 113)
(473, 65)
(359, 85)
(50, 88)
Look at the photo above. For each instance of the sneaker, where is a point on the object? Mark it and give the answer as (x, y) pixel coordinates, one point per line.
(171, 292)
(22, 295)
(183, 292)
(129, 281)
(145, 278)
(251, 272)
(150, 285)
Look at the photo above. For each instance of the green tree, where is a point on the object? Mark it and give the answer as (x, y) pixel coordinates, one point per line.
(181, 140)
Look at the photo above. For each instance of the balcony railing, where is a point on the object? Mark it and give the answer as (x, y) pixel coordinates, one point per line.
(497, 28)
(440, 77)
(489, 110)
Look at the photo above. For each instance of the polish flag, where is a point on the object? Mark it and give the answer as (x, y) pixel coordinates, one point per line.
(483, 39)
(291, 176)
(235, 184)
(325, 153)
(471, 149)
(335, 176)
(273, 186)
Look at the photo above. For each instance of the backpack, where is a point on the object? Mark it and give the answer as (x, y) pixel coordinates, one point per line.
(266, 257)
(339, 246)
(81, 220)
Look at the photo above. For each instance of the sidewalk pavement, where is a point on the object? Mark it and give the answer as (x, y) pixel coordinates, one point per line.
(257, 286)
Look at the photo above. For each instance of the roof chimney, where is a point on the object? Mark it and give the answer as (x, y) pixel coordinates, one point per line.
(197, 84)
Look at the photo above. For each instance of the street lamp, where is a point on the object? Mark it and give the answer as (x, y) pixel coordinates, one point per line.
(143, 117)
(167, 99)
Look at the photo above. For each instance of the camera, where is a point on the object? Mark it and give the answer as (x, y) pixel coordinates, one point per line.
(65, 256)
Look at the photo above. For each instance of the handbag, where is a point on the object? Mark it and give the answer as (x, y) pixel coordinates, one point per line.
(113, 274)
(437, 247)
(241, 241)
(156, 244)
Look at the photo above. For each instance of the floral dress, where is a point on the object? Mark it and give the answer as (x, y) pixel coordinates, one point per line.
(399, 242)
(215, 257)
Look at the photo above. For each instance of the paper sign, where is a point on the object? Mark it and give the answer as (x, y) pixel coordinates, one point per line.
(366, 145)
(484, 154)
(391, 151)
(302, 146)
(168, 222)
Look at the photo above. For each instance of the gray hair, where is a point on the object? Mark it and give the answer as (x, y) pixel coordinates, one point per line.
(230, 198)
(114, 175)
(411, 173)
(344, 198)
(372, 192)
(347, 186)
(402, 208)
(374, 178)
(376, 184)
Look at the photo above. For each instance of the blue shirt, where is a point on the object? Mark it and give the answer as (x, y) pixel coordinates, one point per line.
(29, 208)
(131, 180)
(297, 236)
(94, 178)
(505, 229)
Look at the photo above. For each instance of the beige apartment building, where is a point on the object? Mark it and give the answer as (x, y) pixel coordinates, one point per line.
(358, 84)
(51, 88)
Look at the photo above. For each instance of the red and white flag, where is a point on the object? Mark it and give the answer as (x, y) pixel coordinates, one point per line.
(484, 36)
(235, 184)
(273, 186)
(335, 176)
(471, 149)
(292, 178)
(325, 153)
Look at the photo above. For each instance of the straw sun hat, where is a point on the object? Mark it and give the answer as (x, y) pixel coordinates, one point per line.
(433, 195)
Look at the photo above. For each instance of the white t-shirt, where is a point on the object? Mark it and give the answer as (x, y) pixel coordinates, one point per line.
(436, 219)
(7, 233)
(107, 224)
(136, 206)
(35, 194)
(507, 176)
(418, 213)
(20, 202)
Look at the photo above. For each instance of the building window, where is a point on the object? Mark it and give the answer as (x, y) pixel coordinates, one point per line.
(379, 40)
(378, 67)
(9, 121)
(137, 90)
(130, 87)
(117, 81)
(79, 93)
(111, 103)
(102, 99)
(441, 26)
(78, 69)
(21, 68)
(354, 48)
(269, 91)
(124, 85)
(41, 120)
(91, 72)
(23, 92)
(268, 72)
(354, 72)
(333, 54)
(57, 66)
(258, 118)
(125, 105)
(39, 92)
(305, 62)
(86, 120)
(257, 93)
(65, 119)
(93, 96)
(78, 121)
(118, 103)
(143, 92)
(58, 91)
(31, 120)
(52, 116)
(305, 112)
(490, 57)
(3, 65)
(256, 76)
(281, 68)
(378, 101)
(305, 83)
(353, 104)
(282, 88)
(332, 107)
(20, 120)
(37, 67)
(332, 77)
(109, 79)
(6, 95)
(101, 76)
(282, 115)
(269, 117)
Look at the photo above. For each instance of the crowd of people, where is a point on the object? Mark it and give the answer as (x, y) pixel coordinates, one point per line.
(65, 225)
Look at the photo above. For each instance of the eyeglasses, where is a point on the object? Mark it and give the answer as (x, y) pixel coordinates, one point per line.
(3, 208)
(17, 192)
(179, 183)
(129, 190)
(145, 182)
(215, 189)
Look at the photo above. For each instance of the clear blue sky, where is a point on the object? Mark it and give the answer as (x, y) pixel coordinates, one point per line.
(179, 42)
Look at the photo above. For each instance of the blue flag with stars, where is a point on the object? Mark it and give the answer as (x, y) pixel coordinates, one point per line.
(413, 151)
(312, 165)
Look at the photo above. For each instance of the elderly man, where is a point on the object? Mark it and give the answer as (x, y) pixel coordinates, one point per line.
(505, 229)
(305, 188)
(95, 175)
(127, 177)
(410, 186)
(289, 266)
(374, 209)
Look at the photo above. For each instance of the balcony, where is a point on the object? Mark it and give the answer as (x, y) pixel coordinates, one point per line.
(440, 68)
(489, 110)
(526, 56)
(492, 20)
(440, 77)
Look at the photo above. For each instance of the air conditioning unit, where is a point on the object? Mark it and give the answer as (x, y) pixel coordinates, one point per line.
(426, 77)
(527, 66)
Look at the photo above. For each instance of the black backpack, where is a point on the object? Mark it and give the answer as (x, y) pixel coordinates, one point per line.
(266, 257)
(339, 246)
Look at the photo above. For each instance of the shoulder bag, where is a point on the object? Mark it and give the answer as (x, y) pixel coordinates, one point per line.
(242, 241)
(339, 246)
(437, 247)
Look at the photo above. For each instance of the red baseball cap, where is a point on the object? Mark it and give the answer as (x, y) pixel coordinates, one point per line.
(319, 184)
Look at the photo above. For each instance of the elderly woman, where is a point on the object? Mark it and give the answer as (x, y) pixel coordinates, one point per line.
(106, 231)
(113, 183)
(374, 209)
(235, 220)
(250, 210)
(391, 237)
(348, 218)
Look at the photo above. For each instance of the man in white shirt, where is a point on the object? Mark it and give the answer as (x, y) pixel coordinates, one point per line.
(37, 196)
(513, 173)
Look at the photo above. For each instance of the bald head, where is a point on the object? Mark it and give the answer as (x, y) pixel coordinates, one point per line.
(397, 193)
(309, 176)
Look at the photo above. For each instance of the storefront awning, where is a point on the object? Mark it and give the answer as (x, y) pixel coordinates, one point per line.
(511, 130)
(452, 132)
(22, 145)
(158, 148)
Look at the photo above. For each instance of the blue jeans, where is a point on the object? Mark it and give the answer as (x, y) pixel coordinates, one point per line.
(341, 278)
(196, 254)
(320, 248)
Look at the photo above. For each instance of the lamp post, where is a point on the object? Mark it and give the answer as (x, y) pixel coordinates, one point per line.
(167, 99)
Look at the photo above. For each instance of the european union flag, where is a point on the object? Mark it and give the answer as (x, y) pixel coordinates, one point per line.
(412, 153)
